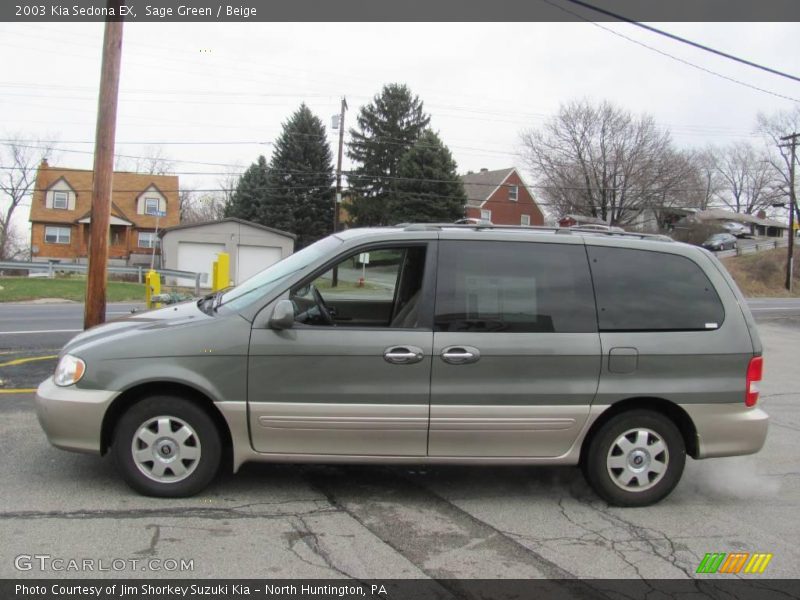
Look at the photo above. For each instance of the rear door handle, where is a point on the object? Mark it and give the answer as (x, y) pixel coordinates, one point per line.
(403, 355)
(461, 355)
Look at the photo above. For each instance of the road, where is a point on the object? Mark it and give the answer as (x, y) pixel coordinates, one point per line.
(399, 522)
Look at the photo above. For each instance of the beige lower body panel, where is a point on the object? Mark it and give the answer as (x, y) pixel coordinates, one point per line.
(728, 429)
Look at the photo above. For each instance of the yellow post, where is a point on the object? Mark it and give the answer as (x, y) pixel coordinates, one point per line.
(214, 276)
(222, 271)
(152, 287)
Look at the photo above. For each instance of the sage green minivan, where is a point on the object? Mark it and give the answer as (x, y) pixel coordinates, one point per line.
(446, 344)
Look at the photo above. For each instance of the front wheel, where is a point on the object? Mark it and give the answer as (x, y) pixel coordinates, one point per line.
(167, 446)
(635, 459)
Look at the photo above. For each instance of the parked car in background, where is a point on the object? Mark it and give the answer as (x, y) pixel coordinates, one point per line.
(455, 344)
(720, 241)
(736, 229)
(473, 221)
(594, 227)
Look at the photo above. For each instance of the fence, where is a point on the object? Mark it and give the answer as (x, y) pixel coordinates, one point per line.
(52, 267)
(751, 247)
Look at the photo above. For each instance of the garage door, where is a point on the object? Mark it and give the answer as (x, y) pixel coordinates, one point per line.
(197, 257)
(253, 259)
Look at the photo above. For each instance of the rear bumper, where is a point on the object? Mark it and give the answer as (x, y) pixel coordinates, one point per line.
(728, 429)
(72, 417)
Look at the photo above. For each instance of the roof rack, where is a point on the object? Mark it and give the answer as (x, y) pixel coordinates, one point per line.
(555, 229)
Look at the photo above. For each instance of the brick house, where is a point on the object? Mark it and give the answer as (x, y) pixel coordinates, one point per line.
(500, 197)
(61, 215)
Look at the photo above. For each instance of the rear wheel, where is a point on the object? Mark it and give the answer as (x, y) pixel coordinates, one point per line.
(167, 446)
(635, 459)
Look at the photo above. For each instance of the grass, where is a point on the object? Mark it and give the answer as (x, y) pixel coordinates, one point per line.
(18, 289)
(763, 274)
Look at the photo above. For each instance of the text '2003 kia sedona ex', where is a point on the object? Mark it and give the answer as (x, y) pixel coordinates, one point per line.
(429, 344)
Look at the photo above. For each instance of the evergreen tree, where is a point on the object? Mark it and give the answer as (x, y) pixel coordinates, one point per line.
(250, 193)
(428, 187)
(387, 128)
(300, 198)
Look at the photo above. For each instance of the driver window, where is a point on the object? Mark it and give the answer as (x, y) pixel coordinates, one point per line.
(373, 288)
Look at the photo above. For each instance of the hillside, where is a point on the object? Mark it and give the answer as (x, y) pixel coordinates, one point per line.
(764, 274)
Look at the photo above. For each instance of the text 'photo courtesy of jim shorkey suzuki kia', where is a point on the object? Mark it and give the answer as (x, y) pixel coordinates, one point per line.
(429, 344)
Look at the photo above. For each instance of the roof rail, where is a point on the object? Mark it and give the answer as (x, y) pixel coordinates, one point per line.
(554, 229)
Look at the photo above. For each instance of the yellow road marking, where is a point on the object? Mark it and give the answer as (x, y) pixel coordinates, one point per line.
(20, 361)
(18, 391)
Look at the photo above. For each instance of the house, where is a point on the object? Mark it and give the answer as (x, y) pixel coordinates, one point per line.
(252, 247)
(758, 225)
(500, 197)
(61, 215)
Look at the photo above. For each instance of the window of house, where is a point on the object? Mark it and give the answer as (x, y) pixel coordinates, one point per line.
(513, 190)
(57, 235)
(148, 239)
(514, 287)
(639, 290)
(486, 215)
(61, 200)
(151, 206)
(525, 220)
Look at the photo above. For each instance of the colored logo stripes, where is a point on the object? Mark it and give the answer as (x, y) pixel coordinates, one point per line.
(736, 562)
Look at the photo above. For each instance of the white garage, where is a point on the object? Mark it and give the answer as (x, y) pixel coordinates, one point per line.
(251, 247)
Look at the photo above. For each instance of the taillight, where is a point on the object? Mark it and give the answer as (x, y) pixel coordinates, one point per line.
(754, 371)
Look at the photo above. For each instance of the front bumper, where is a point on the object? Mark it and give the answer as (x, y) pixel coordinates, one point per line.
(728, 429)
(72, 417)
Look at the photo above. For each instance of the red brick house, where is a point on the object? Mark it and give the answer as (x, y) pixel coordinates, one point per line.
(500, 197)
(61, 215)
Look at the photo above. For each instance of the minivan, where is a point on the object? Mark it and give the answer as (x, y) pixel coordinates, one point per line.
(434, 344)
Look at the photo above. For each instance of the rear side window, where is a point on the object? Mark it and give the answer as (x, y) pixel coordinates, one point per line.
(513, 287)
(639, 290)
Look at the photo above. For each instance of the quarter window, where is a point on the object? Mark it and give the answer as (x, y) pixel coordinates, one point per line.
(60, 200)
(57, 235)
(514, 287)
(640, 290)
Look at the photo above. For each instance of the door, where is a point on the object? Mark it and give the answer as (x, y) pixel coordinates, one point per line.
(516, 349)
(254, 259)
(197, 257)
(352, 376)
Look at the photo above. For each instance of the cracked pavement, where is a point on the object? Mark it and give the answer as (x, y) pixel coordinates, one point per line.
(367, 522)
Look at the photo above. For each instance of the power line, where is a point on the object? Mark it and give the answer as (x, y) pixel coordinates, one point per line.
(683, 40)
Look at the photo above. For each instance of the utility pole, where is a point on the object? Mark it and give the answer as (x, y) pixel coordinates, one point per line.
(338, 198)
(95, 309)
(792, 138)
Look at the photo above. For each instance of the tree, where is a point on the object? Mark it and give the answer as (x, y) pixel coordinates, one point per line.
(154, 161)
(387, 128)
(251, 192)
(602, 161)
(300, 196)
(198, 207)
(428, 187)
(22, 158)
(747, 181)
(772, 128)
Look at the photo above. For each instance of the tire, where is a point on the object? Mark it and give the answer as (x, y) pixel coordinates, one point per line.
(167, 446)
(635, 459)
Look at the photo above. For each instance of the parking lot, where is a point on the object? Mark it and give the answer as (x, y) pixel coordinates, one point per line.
(388, 522)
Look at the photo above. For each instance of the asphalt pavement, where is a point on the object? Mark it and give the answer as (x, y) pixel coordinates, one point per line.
(316, 521)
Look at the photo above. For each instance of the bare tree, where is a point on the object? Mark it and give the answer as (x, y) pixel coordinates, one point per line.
(772, 128)
(200, 207)
(747, 181)
(22, 158)
(602, 161)
(154, 161)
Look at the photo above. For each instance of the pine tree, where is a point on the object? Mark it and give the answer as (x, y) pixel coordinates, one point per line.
(387, 128)
(300, 198)
(428, 187)
(250, 193)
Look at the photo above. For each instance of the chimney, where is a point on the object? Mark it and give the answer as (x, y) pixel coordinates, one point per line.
(44, 164)
(484, 170)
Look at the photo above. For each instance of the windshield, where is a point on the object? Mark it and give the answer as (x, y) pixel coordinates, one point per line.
(262, 282)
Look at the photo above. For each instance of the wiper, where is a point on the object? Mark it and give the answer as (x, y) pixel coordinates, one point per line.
(218, 298)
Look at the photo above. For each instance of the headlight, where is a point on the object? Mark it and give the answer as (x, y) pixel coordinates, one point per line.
(69, 370)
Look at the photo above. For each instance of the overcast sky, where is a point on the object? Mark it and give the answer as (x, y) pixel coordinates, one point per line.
(204, 84)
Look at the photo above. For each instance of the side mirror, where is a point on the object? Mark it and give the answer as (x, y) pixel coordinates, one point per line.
(283, 315)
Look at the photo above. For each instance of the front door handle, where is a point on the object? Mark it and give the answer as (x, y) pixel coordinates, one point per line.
(403, 355)
(461, 355)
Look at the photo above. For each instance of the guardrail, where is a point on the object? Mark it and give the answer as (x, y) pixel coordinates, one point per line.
(52, 267)
(752, 248)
